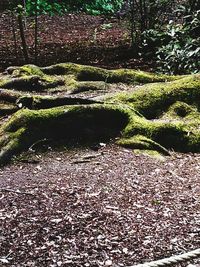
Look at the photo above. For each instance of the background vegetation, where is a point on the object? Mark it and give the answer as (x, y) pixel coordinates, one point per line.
(166, 31)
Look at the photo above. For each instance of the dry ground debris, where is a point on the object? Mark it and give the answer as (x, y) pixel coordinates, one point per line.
(116, 209)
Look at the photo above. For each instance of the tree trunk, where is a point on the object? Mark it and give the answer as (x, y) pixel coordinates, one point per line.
(36, 31)
(23, 38)
(14, 34)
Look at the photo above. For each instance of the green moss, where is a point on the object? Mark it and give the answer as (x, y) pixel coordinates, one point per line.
(76, 78)
(81, 121)
(88, 86)
(45, 102)
(181, 110)
(137, 76)
(143, 143)
(181, 135)
(151, 153)
(152, 100)
(61, 69)
(82, 72)
(27, 70)
(31, 83)
(11, 144)
(89, 73)
(22, 83)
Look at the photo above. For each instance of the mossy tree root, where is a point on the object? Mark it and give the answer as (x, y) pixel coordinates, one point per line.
(89, 73)
(81, 121)
(156, 116)
(31, 83)
(74, 77)
(93, 121)
(11, 101)
(153, 100)
(45, 102)
(141, 142)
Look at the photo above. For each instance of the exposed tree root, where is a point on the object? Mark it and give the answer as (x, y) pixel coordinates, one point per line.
(89, 73)
(74, 77)
(143, 143)
(31, 83)
(154, 117)
(81, 121)
(44, 102)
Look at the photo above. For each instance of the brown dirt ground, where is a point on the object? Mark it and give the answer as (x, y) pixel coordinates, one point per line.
(111, 207)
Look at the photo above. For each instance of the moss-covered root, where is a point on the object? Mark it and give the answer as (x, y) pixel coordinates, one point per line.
(89, 73)
(75, 77)
(86, 122)
(81, 122)
(152, 100)
(8, 102)
(12, 101)
(141, 142)
(10, 144)
(45, 102)
(30, 83)
(26, 70)
(7, 109)
(79, 87)
(9, 96)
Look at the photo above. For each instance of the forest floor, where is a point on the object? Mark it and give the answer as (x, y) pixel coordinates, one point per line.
(100, 205)
(105, 207)
(78, 38)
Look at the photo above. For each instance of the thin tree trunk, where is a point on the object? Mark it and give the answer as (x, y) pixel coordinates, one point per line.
(141, 16)
(133, 25)
(12, 22)
(145, 16)
(36, 31)
(14, 34)
(25, 23)
(22, 35)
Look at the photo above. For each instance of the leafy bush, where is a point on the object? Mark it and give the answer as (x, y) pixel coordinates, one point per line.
(182, 53)
(44, 7)
(151, 40)
(103, 6)
(94, 7)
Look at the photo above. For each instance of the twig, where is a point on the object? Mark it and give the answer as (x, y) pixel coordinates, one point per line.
(31, 161)
(91, 156)
(86, 159)
(15, 191)
(80, 161)
(36, 143)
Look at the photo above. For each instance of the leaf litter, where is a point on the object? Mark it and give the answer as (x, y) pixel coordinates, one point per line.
(126, 209)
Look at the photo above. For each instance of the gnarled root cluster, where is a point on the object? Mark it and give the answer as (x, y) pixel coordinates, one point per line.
(160, 115)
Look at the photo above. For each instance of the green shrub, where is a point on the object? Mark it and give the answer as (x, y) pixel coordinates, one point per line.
(151, 40)
(181, 55)
(44, 7)
(103, 6)
(94, 7)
